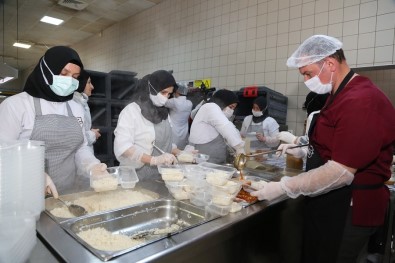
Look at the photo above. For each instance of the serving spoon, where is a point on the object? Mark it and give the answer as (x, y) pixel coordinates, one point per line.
(241, 159)
(76, 210)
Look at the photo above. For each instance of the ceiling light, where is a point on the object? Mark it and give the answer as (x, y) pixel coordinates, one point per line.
(22, 45)
(7, 73)
(51, 20)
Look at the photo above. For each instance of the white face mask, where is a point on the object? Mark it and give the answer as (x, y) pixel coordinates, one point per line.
(61, 85)
(158, 100)
(315, 84)
(257, 113)
(228, 112)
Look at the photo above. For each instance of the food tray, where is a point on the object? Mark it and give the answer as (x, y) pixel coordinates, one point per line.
(138, 220)
(51, 203)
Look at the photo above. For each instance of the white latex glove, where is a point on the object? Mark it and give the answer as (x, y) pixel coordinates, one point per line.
(270, 191)
(258, 185)
(50, 187)
(317, 181)
(299, 152)
(286, 137)
(166, 158)
(98, 169)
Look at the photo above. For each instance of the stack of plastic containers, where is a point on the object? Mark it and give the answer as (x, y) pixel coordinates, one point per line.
(221, 189)
(22, 186)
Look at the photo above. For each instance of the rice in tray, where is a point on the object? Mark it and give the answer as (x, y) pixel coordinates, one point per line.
(112, 200)
(102, 239)
(104, 201)
(62, 212)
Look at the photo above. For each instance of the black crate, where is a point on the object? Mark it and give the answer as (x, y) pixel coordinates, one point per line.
(277, 103)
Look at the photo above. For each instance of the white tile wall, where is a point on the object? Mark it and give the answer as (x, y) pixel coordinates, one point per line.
(243, 42)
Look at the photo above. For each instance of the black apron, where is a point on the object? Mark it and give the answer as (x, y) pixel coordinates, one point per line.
(324, 215)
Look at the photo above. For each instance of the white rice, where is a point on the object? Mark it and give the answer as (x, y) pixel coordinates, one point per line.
(102, 239)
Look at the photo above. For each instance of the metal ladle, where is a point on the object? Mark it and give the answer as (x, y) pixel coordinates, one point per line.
(241, 159)
(156, 147)
(75, 209)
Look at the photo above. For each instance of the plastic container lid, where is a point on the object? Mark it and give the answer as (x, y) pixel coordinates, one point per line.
(222, 168)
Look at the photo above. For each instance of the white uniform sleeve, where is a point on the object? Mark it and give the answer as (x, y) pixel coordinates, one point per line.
(91, 137)
(84, 158)
(271, 131)
(171, 103)
(224, 127)
(125, 148)
(317, 181)
(11, 123)
(244, 126)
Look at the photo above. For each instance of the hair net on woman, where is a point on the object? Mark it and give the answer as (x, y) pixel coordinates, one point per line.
(314, 49)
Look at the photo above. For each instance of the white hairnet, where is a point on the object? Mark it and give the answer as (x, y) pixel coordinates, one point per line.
(313, 49)
(182, 89)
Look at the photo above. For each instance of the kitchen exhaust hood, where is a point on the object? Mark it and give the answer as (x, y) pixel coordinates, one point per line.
(7, 73)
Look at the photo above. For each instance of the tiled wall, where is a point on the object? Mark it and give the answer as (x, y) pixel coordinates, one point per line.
(384, 79)
(243, 42)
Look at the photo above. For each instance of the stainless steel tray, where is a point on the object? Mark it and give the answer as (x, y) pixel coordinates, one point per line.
(51, 203)
(141, 218)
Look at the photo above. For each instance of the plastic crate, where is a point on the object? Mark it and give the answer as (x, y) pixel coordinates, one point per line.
(277, 103)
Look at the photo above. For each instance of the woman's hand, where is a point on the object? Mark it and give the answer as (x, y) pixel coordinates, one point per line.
(260, 137)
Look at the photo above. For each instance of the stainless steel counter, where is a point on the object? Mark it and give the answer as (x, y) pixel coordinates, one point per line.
(230, 238)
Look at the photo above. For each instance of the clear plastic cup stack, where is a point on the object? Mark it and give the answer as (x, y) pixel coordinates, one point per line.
(22, 186)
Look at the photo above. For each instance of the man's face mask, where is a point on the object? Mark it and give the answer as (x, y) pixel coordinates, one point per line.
(315, 84)
(61, 85)
(158, 100)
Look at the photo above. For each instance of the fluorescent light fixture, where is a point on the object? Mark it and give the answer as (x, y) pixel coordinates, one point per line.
(22, 45)
(7, 73)
(51, 20)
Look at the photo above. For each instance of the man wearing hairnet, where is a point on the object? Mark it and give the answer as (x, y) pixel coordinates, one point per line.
(179, 110)
(349, 157)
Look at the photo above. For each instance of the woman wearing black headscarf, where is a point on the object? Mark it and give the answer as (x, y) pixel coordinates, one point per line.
(211, 130)
(143, 122)
(46, 112)
(259, 127)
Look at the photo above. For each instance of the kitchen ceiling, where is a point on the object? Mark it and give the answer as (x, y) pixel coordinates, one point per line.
(25, 25)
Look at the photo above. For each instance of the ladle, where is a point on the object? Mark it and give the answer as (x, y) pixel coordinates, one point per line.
(241, 159)
(75, 209)
(156, 147)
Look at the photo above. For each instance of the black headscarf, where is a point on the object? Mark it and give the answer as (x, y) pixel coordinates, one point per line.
(262, 104)
(160, 80)
(56, 58)
(224, 98)
(314, 102)
(83, 79)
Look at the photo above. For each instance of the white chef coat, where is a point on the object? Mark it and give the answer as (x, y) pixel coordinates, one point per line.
(209, 122)
(17, 116)
(133, 130)
(180, 109)
(82, 99)
(270, 129)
